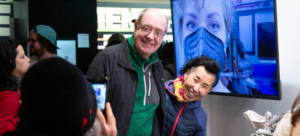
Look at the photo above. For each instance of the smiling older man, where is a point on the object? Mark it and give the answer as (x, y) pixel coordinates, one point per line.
(136, 91)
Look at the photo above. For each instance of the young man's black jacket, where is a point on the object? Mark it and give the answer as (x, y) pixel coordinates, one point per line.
(114, 63)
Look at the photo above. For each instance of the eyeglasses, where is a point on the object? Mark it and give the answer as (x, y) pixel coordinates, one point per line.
(147, 30)
(31, 40)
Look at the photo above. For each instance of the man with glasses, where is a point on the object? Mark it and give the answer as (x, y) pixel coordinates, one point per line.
(42, 43)
(136, 91)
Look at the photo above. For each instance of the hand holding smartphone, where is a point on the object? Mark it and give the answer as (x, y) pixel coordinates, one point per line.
(108, 124)
(100, 86)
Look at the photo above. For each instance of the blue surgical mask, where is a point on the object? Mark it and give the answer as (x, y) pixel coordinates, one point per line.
(202, 42)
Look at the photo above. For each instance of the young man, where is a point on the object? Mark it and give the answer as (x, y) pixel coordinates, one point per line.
(136, 90)
(42, 43)
(184, 114)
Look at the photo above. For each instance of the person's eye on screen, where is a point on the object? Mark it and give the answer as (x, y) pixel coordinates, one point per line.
(214, 27)
(191, 26)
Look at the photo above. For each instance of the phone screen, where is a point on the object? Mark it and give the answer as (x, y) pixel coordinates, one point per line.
(100, 92)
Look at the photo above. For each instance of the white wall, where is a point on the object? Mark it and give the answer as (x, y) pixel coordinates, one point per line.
(225, 113)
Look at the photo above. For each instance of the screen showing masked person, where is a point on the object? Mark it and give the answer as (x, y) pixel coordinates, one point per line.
(240, 35)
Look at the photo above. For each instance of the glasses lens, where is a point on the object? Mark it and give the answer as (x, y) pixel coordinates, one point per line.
(158, 34)
(148, 30)
(31, 40)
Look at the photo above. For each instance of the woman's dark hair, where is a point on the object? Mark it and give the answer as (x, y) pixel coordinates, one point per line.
(8, 81)
(295, 111)
(43, 42)
(210, 65)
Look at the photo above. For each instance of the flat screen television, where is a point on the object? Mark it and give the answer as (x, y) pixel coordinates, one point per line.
(240, 34)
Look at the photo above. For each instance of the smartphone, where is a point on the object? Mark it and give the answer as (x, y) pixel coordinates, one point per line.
(100, 86)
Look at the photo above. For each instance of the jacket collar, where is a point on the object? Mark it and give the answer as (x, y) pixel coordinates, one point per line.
(124, 59)
(170, 90)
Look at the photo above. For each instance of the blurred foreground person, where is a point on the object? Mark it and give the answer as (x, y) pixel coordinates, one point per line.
(58, 101)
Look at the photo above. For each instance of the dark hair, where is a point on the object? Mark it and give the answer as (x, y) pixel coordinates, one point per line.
(114, 39)
(296, 113)
(168, 54)
(8, 81)
(168, 49)
(114, 42)
(210, 65)
(41, 110)
(43, 41)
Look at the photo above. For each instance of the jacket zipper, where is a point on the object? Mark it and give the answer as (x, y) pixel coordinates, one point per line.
(145, 85)
(144, 70)
(177, 119)
(149, 83)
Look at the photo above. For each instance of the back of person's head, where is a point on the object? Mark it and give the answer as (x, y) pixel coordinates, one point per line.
(46, 36)
(210, 65)
(8, 53)
(169, 52)
(115, 38)
(56, 100)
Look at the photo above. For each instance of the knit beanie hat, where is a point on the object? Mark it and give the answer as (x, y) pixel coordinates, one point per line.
(56, 99)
